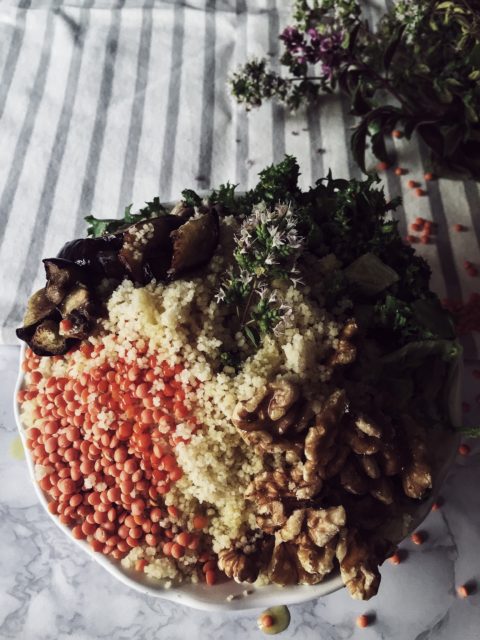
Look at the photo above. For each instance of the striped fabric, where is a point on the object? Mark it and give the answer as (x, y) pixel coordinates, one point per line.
(105, 103)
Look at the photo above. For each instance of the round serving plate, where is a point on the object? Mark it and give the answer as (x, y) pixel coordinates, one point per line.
(219, 597)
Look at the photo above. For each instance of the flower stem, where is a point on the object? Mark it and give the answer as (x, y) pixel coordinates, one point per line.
(248, 304)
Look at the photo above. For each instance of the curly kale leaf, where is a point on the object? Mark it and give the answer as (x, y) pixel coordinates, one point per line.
(104, 226)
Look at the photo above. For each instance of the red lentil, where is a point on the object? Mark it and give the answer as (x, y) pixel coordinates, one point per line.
(99, 466)
(464, 449)
(363, 621)
(266, 621)
(395, 558)
(463, 591)
(418, 537)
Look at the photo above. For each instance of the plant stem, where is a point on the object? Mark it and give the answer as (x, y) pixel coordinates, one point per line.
(248, 304)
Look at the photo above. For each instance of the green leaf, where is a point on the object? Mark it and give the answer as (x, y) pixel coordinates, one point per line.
(470, 432)
(370, 274)
(251, 336)
(350, 40)
(379, 148)
(413, 354)
(278, 182)
(360, 105)
(191, 198)
(225, 195)
(452, 138)
(102, 226)
(152, 207)
(409, 126)
(474, 57)
(430, 313)
(392, 48)
(432, 136)
(358, 143)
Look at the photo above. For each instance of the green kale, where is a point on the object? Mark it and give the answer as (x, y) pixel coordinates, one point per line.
(278, 183)
(191, 198)
(225, 195)
(103, 226)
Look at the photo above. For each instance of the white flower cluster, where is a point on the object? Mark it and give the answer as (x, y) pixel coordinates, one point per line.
(268, 245)
(410, 13)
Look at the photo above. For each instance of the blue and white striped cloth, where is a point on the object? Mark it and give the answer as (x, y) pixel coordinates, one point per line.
(106, 103)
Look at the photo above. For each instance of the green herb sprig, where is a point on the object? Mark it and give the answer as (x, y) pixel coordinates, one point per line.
(103, 226)
(268, 247)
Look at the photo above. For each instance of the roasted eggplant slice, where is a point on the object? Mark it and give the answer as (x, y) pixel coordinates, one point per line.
(79, 309)
(78, 299)
(39, 307)
(194, 243)
(47, 341)
(62, 275)
(99, 256)
(147, 248)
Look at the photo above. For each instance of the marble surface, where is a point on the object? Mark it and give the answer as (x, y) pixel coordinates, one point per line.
(50, 591)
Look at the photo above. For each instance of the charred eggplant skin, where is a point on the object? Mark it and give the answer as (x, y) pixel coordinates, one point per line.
(147, 248)
(194, 243)
(99, 256)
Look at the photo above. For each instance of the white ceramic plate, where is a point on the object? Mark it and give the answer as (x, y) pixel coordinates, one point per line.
(246, 596)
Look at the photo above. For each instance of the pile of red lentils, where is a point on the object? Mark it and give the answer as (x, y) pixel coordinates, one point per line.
(104, 442)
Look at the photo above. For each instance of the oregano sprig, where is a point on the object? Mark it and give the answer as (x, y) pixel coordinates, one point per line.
(418, 69)
(268, 247)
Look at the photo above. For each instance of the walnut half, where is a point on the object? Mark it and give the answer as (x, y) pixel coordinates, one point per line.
(417, 477)
(237, 565)
(358, 565)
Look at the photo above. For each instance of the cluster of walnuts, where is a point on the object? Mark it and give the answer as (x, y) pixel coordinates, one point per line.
(332, 478)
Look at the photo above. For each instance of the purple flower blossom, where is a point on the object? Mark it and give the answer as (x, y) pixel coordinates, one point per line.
(291, 37)
(313, 47)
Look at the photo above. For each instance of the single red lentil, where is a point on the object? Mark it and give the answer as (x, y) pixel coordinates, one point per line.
(464, 449)
(463, 591)
(363, 621)
(266, 621)
(418, 537)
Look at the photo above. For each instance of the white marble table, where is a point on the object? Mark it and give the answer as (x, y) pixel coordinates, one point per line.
(50, 591)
